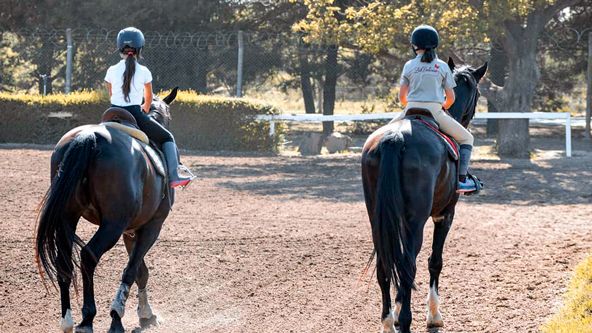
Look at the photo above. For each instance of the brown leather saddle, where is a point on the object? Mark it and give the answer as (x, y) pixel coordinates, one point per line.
(425, 117)
(119, 115)
(124, 121)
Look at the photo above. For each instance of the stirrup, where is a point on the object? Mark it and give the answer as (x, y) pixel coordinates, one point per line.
(478, 185)
(183, 183)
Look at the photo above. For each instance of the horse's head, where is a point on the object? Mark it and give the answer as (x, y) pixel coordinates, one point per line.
(466, 91)
(160, 108)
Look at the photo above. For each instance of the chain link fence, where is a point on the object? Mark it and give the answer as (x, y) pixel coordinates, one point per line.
(37, 61)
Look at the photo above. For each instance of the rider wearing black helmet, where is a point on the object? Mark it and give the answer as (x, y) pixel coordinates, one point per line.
(427, 83)
(128, 82)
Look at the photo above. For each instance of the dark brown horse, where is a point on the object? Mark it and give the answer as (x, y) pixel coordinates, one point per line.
(408, 177)
(102, 174)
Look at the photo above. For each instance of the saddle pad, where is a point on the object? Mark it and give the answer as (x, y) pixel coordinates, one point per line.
(133, 132)
(450, 144)
(156, 159)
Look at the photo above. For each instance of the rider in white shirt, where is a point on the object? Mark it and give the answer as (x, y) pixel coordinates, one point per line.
(128, 82)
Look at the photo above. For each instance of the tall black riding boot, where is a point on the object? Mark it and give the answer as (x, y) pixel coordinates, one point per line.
(465, 185)
(169, 149)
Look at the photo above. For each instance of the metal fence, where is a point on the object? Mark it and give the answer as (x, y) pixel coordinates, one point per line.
(65, 60)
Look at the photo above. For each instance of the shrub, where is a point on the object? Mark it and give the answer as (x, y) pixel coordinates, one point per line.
(576, 313)
(199, 122)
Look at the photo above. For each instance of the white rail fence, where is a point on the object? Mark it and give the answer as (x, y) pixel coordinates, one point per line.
(562, 116)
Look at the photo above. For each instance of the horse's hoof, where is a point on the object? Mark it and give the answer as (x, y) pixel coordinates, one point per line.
(147, 322)
(435, 321)
(116, 325)
(83, 329)
(388, 324)
(67, 323)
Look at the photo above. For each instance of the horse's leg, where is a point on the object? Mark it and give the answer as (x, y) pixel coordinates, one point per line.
(441, 228)
(102, 241)
(145, 238)
(65, 265)
(387, 316)
(414, 234)
(145, 314)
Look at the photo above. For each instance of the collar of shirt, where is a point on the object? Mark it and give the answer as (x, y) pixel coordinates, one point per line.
(419, 55)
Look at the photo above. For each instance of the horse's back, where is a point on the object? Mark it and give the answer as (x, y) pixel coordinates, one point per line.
(121, 179)
(425, 167)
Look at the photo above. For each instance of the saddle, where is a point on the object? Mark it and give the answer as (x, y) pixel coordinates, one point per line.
(123, 121)
(425, 117)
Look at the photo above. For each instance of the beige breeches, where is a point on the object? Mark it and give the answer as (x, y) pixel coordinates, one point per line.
(447, 124)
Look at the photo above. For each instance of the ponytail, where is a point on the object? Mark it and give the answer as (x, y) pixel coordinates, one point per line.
(128, 75)
(428, 55)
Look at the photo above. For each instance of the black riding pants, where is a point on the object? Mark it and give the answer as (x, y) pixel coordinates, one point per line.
(151, 127)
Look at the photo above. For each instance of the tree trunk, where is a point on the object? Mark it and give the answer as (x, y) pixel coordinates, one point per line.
(497, 68)
(319, 92)
(329, 87)
(306, 85)
(513, 139)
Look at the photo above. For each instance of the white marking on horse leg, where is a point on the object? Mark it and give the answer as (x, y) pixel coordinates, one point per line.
(437, 219)
(67, 323)
(398, 306)
(433, 315)
(144, 309)
(118, 304)
(388, 324)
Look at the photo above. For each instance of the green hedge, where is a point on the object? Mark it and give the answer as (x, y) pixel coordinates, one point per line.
(198, 122)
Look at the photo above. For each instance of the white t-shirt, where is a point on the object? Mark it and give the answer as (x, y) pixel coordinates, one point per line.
(115, 77)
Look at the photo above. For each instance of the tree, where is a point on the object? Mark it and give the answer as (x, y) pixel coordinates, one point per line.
(374, 27)
(518, 25)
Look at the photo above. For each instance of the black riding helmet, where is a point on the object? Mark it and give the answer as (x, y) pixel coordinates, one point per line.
(425, 37)
(130, 38)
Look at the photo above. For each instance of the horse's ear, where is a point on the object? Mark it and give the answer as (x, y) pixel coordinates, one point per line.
(451, 63)
(171, 97)
(479, 72)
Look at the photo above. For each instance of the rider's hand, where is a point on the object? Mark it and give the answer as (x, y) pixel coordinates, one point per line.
(146, 108)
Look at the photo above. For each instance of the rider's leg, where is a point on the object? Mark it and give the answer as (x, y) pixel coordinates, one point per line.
(461, 135)
(162, 136)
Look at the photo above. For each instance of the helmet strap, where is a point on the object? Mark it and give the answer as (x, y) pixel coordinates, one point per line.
(414, 50)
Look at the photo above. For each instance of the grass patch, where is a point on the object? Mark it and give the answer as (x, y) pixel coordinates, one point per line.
(576, 313)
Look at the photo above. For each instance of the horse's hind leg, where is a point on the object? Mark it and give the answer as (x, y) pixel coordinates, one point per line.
(441, 228)
(145, 314)
(65, 266)
(102, 241)
(145, 238)
(389, 320)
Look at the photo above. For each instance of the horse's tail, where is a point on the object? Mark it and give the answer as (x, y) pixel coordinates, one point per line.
(55, 232)
(389, 226)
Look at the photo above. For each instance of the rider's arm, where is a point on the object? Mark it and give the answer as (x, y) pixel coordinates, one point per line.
(403, 90)
(147, 97)
(108, 84)
(449, 98)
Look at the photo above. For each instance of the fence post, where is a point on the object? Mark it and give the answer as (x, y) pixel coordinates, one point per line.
(589, 86)
(68, 87)
(239, 69)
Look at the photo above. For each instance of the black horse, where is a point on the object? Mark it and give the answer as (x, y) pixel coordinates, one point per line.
(408, 176)
(104, 175)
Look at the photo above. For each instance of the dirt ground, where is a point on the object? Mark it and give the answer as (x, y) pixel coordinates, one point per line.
(278, 244)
